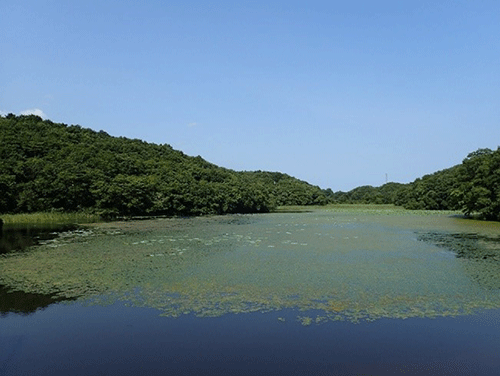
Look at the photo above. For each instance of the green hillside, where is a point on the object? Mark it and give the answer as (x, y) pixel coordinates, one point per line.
(47, 166)
(473, 187)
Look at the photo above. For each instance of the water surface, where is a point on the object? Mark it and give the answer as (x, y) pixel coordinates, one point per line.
(359, 289)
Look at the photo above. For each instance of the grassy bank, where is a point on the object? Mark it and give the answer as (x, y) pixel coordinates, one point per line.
(340, 207)
(83, 217)
(49, 217)
(388, 209)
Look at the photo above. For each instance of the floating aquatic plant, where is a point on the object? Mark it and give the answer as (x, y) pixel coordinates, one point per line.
(349, 266)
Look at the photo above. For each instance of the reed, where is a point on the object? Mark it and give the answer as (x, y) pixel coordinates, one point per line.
(49, 217)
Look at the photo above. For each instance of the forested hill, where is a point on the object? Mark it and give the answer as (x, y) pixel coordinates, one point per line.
(473, 187)
(47, 166)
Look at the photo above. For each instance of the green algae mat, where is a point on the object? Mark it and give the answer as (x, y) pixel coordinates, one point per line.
(341, 264)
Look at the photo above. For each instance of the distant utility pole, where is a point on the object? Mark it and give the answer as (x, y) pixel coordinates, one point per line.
(386, 178)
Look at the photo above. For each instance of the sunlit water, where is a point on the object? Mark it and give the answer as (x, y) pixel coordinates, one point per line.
(304, 270)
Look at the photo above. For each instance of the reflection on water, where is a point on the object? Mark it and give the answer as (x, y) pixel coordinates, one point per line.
(481, 251)
(22, 303)
(71, 339)
(348, 265)
(469, 246)
(21, 237)
(15, 239)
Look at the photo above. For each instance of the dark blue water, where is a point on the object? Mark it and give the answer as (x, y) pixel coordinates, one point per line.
(40, 336)
(71, 339)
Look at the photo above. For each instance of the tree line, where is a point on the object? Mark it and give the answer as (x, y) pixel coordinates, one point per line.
(473, 187)
(46, 166)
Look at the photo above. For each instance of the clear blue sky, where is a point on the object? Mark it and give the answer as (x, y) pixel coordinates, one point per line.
(336, 93)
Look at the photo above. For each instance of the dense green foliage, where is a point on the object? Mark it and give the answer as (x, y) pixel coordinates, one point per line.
(473, 187)
(386, 194)
(286, 190)
(47, 166)
(479, 189)
(432, 192)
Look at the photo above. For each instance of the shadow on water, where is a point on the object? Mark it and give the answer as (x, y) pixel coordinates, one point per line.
(468, 246)
(480, 253)
(23, 303)
(19, 238)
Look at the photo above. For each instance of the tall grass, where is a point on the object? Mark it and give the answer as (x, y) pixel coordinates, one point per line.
(366, 208)
(350, 207)
(49, 217)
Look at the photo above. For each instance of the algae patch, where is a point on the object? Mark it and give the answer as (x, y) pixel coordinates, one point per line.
(349, 266)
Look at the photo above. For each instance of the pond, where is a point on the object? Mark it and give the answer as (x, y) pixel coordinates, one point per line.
(331, 291)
